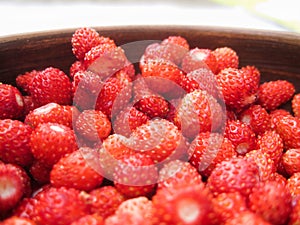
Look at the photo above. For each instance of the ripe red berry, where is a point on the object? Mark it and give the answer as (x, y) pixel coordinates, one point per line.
(76, 66)
(23, 81)
(291, 161)
(17, 220)
(92, 219)
(226, 57)
(296, 105)
(293, 185)
(247, 217)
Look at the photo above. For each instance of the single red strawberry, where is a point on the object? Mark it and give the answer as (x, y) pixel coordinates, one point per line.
(209, 149)
(84, 38)
(135, 175)
(293, 185)
(254, 72)
(239, 88)
(228, 205)
(247, 217)
(226, 57)
(40, 172)
(183, 204)
(52, 112)
(14, 185)
(272, 201)
(148, 102)
(59, 206)
(11, 102)
(178, 172)
(89, 220)
(198, 112)
(15, 142)
(105, 200)
(133, 211)
(23, 81)
(257, 118)
(73, 171)
(76, 66)
(51, 141)
(188, 84)
(296, 105)
(273, 94)
(237, 174)
(128, 120)
(275, 115)
(159, 138)
(51, 85)
(241, 136)
(14, 220)
(198, 58)
(93, 125)
(266, 166)
(291, 161)
(288, 127)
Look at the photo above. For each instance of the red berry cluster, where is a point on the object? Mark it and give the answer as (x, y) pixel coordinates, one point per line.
(185, 137)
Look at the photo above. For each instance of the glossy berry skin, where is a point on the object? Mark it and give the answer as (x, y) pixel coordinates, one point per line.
(295, 214)
(235, 174)
(247, 217)
(226, 57)
(296, 105)
(272, 201)
(15, 142)
(76, 66)
(50, 141)
(23, 81)
(14, 220)
(74, 171)
(291, 161)
(276, 115)
(293, 185)
(272, 94)
(11, 102)
(40, 172)
(89, 220)
(51, 85)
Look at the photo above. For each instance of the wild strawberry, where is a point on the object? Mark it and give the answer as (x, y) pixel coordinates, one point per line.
(135, 175)
(23, 81)
(14, 185)
(11, 102)
(228, 205)
(270, 143)
(51, 141)
(272, 201)
(147, 101)
(254, 72)
(29, 106)
(257, 118)
(93, 125)
(296, 105)
(128, 120)
(75, 67)
(105, 200)
(209, 149)
(159, 139)
(241, 136)
(235, 174)
(288, 127)
(182, 204)
(59, 206)
(265, 165)
(25, 208)
(291, 161)
(275, 115)
(89, 220)
(188, 84)
(113, 97)
(198, 112)
(293, 185)
(133, 211)
(247, 217)
(83, 39)
(178, 172)
(295, 214)
(15, 142)
(226, 57)
(157, 51)
(17, 220)
(73, 171)
(40, 172)
(198, 58)
(51, 85)
(239, 88)
(51, 112)
(273, 94)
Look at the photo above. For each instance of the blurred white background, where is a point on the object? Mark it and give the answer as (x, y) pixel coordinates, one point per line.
(23, 16)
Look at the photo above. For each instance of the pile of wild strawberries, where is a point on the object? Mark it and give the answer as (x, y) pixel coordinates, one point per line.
(185, 136)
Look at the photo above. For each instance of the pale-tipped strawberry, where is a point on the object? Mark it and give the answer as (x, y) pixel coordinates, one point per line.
(237, 174)
(73, 171)
(226, 57)
(51, 85)
(51, 141)
(241, 136)
(15, 142)
(257, 118)
(273, 94)
(272, 201)
(209, 149)
(11, 102)
(291, 160)
(198, 58)
(105, 200)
